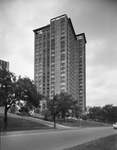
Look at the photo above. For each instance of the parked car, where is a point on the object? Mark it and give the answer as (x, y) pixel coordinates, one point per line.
(71, 118)
(115, 125)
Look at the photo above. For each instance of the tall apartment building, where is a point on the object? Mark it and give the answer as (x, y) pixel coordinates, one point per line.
(4, 65)
(59, 64)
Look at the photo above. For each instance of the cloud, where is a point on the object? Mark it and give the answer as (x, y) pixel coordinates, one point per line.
(18, 19)
(95, 18)
(98, 19)
(102, 52)
(101, 86)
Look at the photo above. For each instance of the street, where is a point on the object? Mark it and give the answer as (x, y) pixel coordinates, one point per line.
(55, 139)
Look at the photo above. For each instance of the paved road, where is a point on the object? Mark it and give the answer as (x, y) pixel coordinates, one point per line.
(51, 139)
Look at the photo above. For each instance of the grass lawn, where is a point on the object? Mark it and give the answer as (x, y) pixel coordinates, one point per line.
(106, 143)
(83, 123)
(17, 124)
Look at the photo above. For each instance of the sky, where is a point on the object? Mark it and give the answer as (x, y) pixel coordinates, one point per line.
(96, 18)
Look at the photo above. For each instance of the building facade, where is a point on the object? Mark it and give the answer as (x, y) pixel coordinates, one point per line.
(60, 63)
(4, 65)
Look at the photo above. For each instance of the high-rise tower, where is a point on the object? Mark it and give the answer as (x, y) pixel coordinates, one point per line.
(60, 60)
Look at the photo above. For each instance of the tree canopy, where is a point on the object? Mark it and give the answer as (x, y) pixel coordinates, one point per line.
(67, 103)
(26, 90)
(107, 113)
(60, 105)
(13, 89)
(7, 88)
(54, 106)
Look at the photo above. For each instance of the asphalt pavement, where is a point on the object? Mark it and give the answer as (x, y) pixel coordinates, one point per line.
(52, 139)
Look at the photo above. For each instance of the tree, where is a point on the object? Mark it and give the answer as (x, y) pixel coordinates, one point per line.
(67, 103)
(95, 112)
(46, 114)
(107, 113)
(76, 110)
(54, 106)
(27, 91)
(114, 114)
(60, 104)
(12, 90)
(7, 91)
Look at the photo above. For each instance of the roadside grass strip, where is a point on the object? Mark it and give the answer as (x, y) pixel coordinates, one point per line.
(105, 143)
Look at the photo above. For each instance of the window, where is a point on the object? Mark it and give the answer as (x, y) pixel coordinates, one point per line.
(63, 81)
(62, 42)
(62, 46)
(62, 33)
(62, 68)
(52, 83)
(48, 35)
(52, 53)
(44, 44)
(52, 44)
(52, 69)
(62, 29)
(52, 66)
(62, 57)
(62, 77)
(63, 64)
(53, 61)
(63, 50)
(62, 86)
(52, 79)
(52, 58)
(52, 92)
(62, 21)
(52, 74)
(62, 72)
(52, 87)
(52, 41)
(62, 38)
